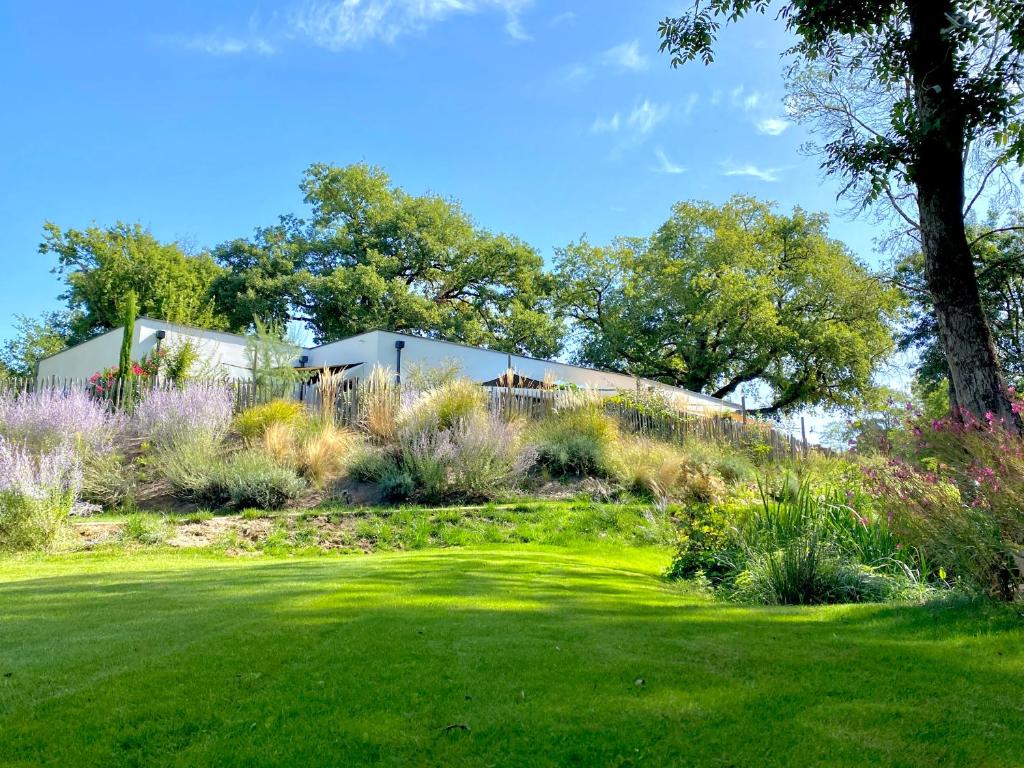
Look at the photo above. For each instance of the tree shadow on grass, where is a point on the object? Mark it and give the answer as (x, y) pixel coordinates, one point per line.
(547, 659)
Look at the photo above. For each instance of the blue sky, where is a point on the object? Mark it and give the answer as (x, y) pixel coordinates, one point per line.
(547, 118)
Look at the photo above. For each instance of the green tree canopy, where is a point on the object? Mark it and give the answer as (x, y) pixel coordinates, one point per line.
(34, 339)
(373, 256)
(722, 296)
(958, 71)
(101, 267)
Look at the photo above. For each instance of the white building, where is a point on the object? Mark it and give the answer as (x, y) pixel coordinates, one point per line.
(226, 354)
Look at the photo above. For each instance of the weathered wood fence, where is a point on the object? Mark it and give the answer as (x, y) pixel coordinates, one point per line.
(752, 435)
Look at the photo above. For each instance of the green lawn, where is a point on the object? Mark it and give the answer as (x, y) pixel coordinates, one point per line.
(488, 656)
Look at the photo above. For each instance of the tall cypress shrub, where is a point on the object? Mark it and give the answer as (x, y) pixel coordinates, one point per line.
(124, 365)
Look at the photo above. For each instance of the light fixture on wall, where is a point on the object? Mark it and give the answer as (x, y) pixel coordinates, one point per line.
(160, 336)
(399, 346)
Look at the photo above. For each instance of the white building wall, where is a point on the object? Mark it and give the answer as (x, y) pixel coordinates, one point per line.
(220, 354)
(378, 348)
(226, 354)
(83, 360)
(363, 348)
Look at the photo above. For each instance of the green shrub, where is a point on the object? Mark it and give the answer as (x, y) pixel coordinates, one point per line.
(369, 464)
(576, 442)
(253, 479)
(107, 479)
(734, 468)
(188, 466)
(143, 529)
(253, 422)
(475, 459)
(29, 522)
(706, 544)
(396, 483)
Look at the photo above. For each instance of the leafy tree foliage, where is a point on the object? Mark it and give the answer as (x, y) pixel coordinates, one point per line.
(102, 266)
(722, 296)
(34, 339)
(373, 256)
(264, 278)
(963, 61)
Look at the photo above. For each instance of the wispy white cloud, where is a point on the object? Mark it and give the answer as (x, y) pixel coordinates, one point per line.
(606, 124)
(339, 25)
(626, 56)
(773, 126)
(514, 28)
(690, 104)
(568, 17)
(576, 75)
(647, 115)
(226, 45)
(342, 24)
(745, 100)
(749, 169)
(665, 165)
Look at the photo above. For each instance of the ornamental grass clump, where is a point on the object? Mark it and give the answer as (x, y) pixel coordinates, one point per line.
(662, 472)
(444, 406)
(38, 491)
(379, 399)
(47, 418)
(799, 547)
(317, 450)
(194, 412)
(797, 550)
(255, 421)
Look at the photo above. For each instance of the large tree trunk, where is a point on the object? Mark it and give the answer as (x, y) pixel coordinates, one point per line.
(938, 171)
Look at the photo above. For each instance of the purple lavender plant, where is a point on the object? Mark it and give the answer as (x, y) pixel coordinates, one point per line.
(475, 458)
(195, 412)
(47, 418)
(37, 493)
(37, 476)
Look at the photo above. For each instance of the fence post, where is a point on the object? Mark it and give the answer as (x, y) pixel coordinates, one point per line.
(803, 433)
(743, 407)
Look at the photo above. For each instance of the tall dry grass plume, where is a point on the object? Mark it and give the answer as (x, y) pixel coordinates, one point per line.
(379, 402)
(330, 386)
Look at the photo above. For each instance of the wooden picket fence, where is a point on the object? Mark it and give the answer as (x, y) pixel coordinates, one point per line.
(753, 435)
